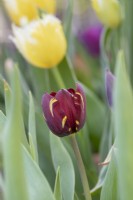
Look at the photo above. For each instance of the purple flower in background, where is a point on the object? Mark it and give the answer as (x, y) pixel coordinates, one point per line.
(90, 38)
(65, 110)
(109, 82)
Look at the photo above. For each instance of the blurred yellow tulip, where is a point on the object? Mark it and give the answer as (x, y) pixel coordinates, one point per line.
(23, 11)
(42, 42)
(108, 12)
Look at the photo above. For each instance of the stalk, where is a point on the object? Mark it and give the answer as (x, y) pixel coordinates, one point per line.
(75, 146)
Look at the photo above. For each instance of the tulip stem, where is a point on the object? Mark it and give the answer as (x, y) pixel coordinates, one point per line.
(81, 167)
(58, 77)
(75, 147)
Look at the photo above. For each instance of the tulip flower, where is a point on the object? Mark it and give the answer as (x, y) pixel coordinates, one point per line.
(42, 42)
(90, 37)
(65, 110)
(109, 82)
(108, 12)
(23, 11)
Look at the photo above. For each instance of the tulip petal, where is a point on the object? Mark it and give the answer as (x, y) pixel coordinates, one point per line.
(65, 111)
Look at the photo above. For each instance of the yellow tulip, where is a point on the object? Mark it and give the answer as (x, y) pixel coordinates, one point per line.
(42, 42)
(108, 12)
(23, 11)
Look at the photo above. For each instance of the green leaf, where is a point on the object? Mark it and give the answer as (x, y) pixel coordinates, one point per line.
(123, 115)
(37, 184)
(32, 129)
(110, 188)
(2, 122)
(86, 154)
(100, 181)
(15, 179)
(7, 91)
(62, 159)
(1, 188)
(8, 95)
(76, 197)
(57, 187)
(1, 86)
(68, 19)
(95, 116)
(107, 137)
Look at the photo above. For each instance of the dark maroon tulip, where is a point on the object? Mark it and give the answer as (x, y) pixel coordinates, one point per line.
(109, 82)
(65, 110)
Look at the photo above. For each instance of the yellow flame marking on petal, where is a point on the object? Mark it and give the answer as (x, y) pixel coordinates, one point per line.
(52, 101)
(80, 97)
(77, 122)
(69, 129)
(64, 121)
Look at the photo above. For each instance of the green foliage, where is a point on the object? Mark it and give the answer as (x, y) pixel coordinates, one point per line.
(57, 186)
(62, 159)
(12, 135)
(110, 186)
(37, 165)
(123, 104)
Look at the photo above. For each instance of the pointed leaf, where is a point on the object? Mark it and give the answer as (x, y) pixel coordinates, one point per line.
(32, 128)
(37, 184)
(62, 159)
(110, 188)
(57, 187)
(15, 179)
(123, 113)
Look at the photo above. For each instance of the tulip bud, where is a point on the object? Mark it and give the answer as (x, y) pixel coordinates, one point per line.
(42, 42)
(90, 37)
(108, 11)
(65, 111)
(23, 11)
(109, 82)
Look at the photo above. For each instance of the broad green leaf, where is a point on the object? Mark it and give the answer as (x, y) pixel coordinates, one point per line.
(78, 183)
(100, 181)
(1, 188)
(1, 86)
(37, 184)
(95, 116)
(110, 188)
(32, 128)
(57, 186)
(2, 121)
(62, 159)
(86, 153)
(44, 152)
(68, 19)
(15, 179)
(123, 119)
(7, 91)
(107, 137)
(8, 95)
